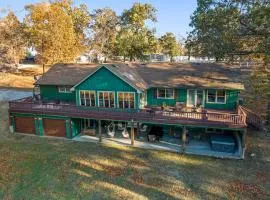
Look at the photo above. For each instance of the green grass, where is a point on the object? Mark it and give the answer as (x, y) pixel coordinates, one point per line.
(42, 168)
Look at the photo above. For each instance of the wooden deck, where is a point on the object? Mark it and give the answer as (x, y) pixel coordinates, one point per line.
(209, 118)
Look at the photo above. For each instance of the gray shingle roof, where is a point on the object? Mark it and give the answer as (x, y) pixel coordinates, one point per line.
(143, 76)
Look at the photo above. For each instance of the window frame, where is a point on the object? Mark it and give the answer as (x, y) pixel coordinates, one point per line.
(67, 89)
(98, 92)
(165, 90)
(123, 92)
(216, 97)
(90, 91)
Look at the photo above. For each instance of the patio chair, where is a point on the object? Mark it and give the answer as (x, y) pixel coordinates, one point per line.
(120, 126)
(123, 129)
(125, 133)
(143, 128)
(180, 106)
(111, 130)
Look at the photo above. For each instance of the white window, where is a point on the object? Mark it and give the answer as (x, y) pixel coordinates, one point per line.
(106, 99)
(216, 96)
(126, 100)
(88, 98)
(64, 89)
(165, 93)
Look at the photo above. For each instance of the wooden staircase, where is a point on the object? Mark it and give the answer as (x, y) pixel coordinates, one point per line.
(252, 118)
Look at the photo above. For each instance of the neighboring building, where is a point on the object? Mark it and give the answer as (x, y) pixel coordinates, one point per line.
(183, 102)
(158, 57)
(178, 59)
(90, 57)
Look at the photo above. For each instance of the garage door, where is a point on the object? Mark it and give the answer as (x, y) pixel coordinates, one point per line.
(25, 125)
(54, 127)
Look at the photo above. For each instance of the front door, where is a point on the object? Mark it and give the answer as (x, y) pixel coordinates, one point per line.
(195, 98)
(191, 97)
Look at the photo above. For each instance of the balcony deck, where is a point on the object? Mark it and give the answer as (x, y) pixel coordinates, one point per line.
(211, 118)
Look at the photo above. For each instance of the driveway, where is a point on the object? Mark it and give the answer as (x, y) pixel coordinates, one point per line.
(12, 94)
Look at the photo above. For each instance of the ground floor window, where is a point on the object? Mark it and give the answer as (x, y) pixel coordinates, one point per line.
(216, 96)
(88, 98)
(126, 100)
(106, 99)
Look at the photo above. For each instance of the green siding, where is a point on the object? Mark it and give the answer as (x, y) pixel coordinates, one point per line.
(180, 96)
(105, 80)
(12, 124)
(50, 92)
(231, 101)
(68, 128)
(76, 127)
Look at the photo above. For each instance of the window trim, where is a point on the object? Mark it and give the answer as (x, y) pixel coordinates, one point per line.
(103, 98)
(118, 105)
(216, 102)
(85, 98)
(165, 93)
(65, 89)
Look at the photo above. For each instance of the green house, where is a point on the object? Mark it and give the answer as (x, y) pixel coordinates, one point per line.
(176, 98)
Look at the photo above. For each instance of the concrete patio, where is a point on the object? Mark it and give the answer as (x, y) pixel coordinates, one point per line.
(193, 148)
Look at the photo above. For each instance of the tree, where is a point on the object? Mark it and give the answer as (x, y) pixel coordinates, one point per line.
(12, 40)
(169, 45)
(216, 29)
(234, 28)
(137, 15)
(56, 31)
(104, 28)
(134, 38)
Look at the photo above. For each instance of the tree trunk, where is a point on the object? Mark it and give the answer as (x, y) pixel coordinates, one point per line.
(268, 103)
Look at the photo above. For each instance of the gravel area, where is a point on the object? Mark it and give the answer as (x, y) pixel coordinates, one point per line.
(11, 94)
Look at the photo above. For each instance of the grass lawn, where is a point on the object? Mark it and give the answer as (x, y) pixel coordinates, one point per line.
(23, 79)
(42, 168)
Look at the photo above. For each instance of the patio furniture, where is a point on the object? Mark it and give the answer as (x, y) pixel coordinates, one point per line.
(179, 106)
(111, 130)
(143, 128)
(152, 138)
(168, 109)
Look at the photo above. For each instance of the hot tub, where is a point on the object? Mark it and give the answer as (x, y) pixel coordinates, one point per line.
(222, 143)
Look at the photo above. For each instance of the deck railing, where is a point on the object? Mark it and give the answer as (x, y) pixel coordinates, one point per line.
(252, 118)
(140, 115)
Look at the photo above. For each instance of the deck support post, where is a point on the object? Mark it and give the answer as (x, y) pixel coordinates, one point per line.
(138, 130)
(99, 131)
(244, 141)
(132, 132)
(184, 139)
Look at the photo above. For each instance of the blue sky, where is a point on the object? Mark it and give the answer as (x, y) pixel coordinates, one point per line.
(173, 15)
